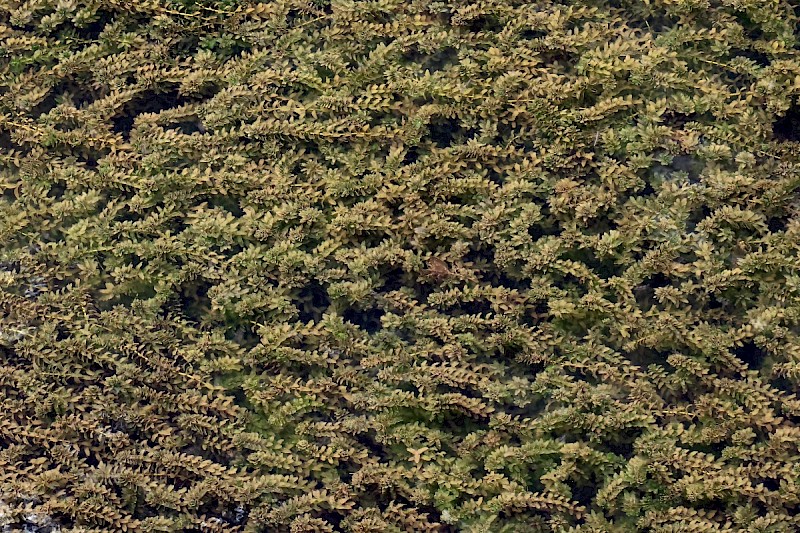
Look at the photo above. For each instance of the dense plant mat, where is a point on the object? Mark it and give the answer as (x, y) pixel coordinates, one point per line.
(382, 266)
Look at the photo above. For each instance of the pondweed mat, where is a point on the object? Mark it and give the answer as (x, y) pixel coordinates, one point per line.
(400, 266)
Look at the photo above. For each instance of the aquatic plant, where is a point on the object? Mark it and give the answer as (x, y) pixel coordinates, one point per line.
(386, 265)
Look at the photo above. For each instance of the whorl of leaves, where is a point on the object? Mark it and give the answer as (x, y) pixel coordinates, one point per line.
(383, 266)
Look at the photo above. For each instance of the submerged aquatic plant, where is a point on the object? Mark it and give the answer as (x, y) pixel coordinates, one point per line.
(399, 266)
